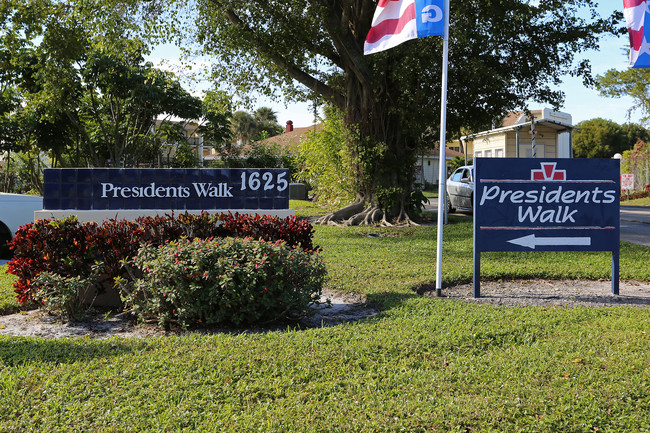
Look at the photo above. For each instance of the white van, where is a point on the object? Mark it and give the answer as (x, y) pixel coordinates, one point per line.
(16, 210)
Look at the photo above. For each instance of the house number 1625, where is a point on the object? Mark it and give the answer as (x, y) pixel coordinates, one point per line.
(255, 181)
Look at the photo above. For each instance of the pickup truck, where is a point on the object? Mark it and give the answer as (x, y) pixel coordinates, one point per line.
(15, 210)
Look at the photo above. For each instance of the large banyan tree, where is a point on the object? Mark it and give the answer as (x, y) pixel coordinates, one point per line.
(503, 54)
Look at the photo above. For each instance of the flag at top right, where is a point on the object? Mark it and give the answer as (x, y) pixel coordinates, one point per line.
(636, 14)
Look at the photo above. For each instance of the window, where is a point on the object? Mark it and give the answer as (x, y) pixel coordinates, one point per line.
(499, 153)
(457, 175)
(488, 154)
(478, 154)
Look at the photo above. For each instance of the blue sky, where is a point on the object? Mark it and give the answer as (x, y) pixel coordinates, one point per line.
(582, 103)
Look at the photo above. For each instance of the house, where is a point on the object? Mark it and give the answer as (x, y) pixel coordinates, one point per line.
(542, 134)
(289, 141)
(170, 145)
(427, 167)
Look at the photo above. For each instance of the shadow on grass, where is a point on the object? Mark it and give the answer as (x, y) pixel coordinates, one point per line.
(388, 300)
(16, 351)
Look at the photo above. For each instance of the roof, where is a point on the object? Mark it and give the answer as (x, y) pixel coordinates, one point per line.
(435, 153)
(517, 119)
(291, 140)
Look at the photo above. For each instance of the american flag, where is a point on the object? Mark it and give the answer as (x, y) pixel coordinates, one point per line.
(636, 13)
(397, 21)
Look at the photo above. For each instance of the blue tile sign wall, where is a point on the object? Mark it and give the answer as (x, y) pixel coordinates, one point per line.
(166, 189)
(531, 204)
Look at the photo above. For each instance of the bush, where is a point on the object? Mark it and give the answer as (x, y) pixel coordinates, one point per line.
(59, 247)
(223, 281)
(70, 249)
(63, 296)
(325, 163)
(634, 195)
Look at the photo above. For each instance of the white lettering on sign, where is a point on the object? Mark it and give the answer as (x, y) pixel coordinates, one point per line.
(560, 196)
(211, 190)
(546, 216)
(253, 182)
(110, 190)
(545, 196)
(152, 190)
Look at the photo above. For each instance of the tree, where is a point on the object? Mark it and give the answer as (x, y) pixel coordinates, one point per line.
(601, 138)
(637, 162)
(86, 94)
(630, 82)
(242, 126)
(633, 132)
(324, 164)
(254, 127)
(266, 123)
(502, 54)
(216, 128)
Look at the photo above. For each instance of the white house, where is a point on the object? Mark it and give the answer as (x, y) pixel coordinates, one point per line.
(545, 134)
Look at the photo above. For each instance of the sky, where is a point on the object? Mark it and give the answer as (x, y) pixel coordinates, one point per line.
(580, 102)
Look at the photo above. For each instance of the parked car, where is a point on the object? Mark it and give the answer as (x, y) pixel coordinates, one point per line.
(15, 210)
(460, 189)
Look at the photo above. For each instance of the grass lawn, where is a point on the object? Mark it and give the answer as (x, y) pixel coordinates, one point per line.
(432, 193)
(307, 208)
(7, 296)
(421, 365)
(638, 202)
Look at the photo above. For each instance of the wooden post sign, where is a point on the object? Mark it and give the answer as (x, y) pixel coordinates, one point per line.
(532, 204)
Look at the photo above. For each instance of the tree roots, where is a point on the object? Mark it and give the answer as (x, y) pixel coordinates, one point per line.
(357, 214)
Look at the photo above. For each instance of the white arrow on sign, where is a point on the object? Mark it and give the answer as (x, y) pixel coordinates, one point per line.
(531, 241)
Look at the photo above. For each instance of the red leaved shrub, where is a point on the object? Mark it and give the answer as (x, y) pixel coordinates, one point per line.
(70, 248)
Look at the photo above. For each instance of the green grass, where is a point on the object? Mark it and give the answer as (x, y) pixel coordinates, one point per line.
(401, 259)
(638, 202)
(306, 208)
(423, 364)
(431, 194)
(7, 295)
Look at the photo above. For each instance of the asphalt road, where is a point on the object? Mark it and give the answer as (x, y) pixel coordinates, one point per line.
(635, 222)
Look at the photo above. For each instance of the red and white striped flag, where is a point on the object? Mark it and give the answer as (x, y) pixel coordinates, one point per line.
(636, 13)
(397, 21)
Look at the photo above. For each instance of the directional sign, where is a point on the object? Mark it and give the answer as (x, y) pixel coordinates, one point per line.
(530, 204)
(547, 205)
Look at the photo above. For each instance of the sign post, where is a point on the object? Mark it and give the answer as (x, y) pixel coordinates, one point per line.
(531, 204)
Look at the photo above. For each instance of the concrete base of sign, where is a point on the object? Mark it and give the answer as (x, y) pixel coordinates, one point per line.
(99, 216)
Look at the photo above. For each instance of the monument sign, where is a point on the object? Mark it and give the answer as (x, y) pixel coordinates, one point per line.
(100, 193)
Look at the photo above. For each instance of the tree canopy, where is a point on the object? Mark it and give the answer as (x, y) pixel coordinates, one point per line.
(630, 82)
(602, 138)
(502, 54)
(76, 85)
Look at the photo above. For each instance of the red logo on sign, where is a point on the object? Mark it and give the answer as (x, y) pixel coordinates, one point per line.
(548, 172)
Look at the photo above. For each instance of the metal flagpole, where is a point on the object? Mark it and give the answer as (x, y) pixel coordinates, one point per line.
(442, 193)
